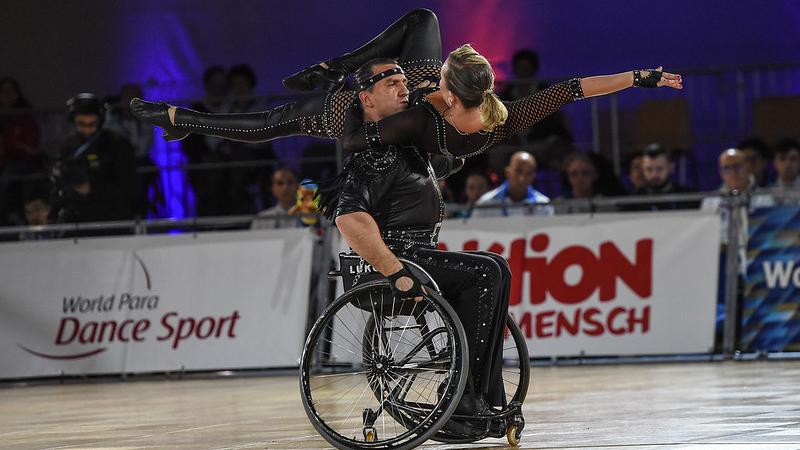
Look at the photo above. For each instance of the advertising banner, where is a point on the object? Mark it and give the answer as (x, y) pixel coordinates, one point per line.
(154, 303)
(608, 284)
(771, 309)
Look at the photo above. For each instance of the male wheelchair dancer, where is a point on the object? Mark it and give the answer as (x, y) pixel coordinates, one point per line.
(387, 206)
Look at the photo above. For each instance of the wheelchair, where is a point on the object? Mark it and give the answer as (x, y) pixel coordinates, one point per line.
(382, 373)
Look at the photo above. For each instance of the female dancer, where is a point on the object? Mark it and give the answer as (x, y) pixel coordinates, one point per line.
(463, 119)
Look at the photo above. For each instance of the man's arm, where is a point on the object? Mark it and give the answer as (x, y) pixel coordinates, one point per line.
(361, 233)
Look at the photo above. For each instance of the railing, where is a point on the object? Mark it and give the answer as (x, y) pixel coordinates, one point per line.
(731, 205)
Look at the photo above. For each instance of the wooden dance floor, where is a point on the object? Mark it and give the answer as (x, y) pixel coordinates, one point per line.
(735, 405)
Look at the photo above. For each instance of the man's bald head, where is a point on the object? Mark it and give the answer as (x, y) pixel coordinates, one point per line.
(520, 173)
(733, 171)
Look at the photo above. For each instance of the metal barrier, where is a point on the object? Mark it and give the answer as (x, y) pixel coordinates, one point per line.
(734, 206)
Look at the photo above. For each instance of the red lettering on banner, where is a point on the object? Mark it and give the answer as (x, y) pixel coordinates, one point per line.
(589, 321)
(188, 327)
(597, 271)
(542, 322)
(92, 332)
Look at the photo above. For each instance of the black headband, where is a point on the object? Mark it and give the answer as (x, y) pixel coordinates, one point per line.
(366, 84)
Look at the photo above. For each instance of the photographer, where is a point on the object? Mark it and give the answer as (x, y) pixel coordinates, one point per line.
(95, 176)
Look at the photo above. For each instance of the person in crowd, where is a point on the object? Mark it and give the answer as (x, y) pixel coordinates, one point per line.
(514, 194)
(140, 136)
(243, 184)
(525, 69)
(736, 178)
(96, 173)
(635, 172)
(787, 164)
(208, 184)
(477, 184)
(284, 189)
(36, 205)
(658, 168)
(21, 152)
(580, 176)
(756, 154)
(581, 181)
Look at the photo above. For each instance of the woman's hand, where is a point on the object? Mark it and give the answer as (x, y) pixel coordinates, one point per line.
(667, 79)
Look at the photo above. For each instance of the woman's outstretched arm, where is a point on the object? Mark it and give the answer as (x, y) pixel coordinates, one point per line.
(608, 84)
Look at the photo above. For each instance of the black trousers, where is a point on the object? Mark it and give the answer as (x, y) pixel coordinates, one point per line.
(477, 285)
(413, 41)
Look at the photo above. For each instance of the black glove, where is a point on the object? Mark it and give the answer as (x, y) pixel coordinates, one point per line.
(412, 293)
(650, 81)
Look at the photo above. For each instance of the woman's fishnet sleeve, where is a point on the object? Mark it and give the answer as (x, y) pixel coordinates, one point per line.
(523, 113)
(335, 111)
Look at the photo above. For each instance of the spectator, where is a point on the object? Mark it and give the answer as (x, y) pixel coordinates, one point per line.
(580, 175)
(658, 169)
(208, 184)
(96, 174)
(635, 172)
(787, 164)
(476, 185)
(284, 189)
(525, 69)
(36, 204)
(756, 155)
(735, 178)
(242, 187)
(20, 147)
(140, 135)
(516, 192)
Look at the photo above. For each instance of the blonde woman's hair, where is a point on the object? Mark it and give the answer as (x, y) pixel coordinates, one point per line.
(470, 77)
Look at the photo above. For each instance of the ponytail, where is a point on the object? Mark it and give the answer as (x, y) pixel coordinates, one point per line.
(471, 79)
(493, 111)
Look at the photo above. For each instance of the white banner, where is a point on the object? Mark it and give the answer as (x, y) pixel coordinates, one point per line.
(153, 303)
(608, 284)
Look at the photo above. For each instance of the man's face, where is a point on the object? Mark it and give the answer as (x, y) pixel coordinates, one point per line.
(475, 187)
(787, 164)
(86, 124)
(520, 173)
(36, 212)
(733, 170)
(657, 170)
(388, 96)
(284, 187)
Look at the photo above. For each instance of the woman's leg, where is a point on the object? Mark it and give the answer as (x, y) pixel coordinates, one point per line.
(313, 116)
(413, 40)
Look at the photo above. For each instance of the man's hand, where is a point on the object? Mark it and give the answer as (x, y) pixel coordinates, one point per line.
(406, 286)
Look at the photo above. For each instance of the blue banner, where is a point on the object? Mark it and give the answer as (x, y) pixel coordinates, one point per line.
(771, 309)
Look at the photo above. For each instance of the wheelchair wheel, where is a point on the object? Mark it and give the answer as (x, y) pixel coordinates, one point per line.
(516, 379)
(381, 373)
(516, 363)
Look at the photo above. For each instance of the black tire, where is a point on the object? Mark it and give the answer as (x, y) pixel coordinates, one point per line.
(412, 419)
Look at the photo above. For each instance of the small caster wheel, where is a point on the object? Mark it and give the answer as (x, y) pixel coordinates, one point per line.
(370, 435)
(514, 435)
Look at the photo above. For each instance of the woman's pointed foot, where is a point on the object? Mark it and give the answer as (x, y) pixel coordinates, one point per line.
(315, 77)
(157, 114)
